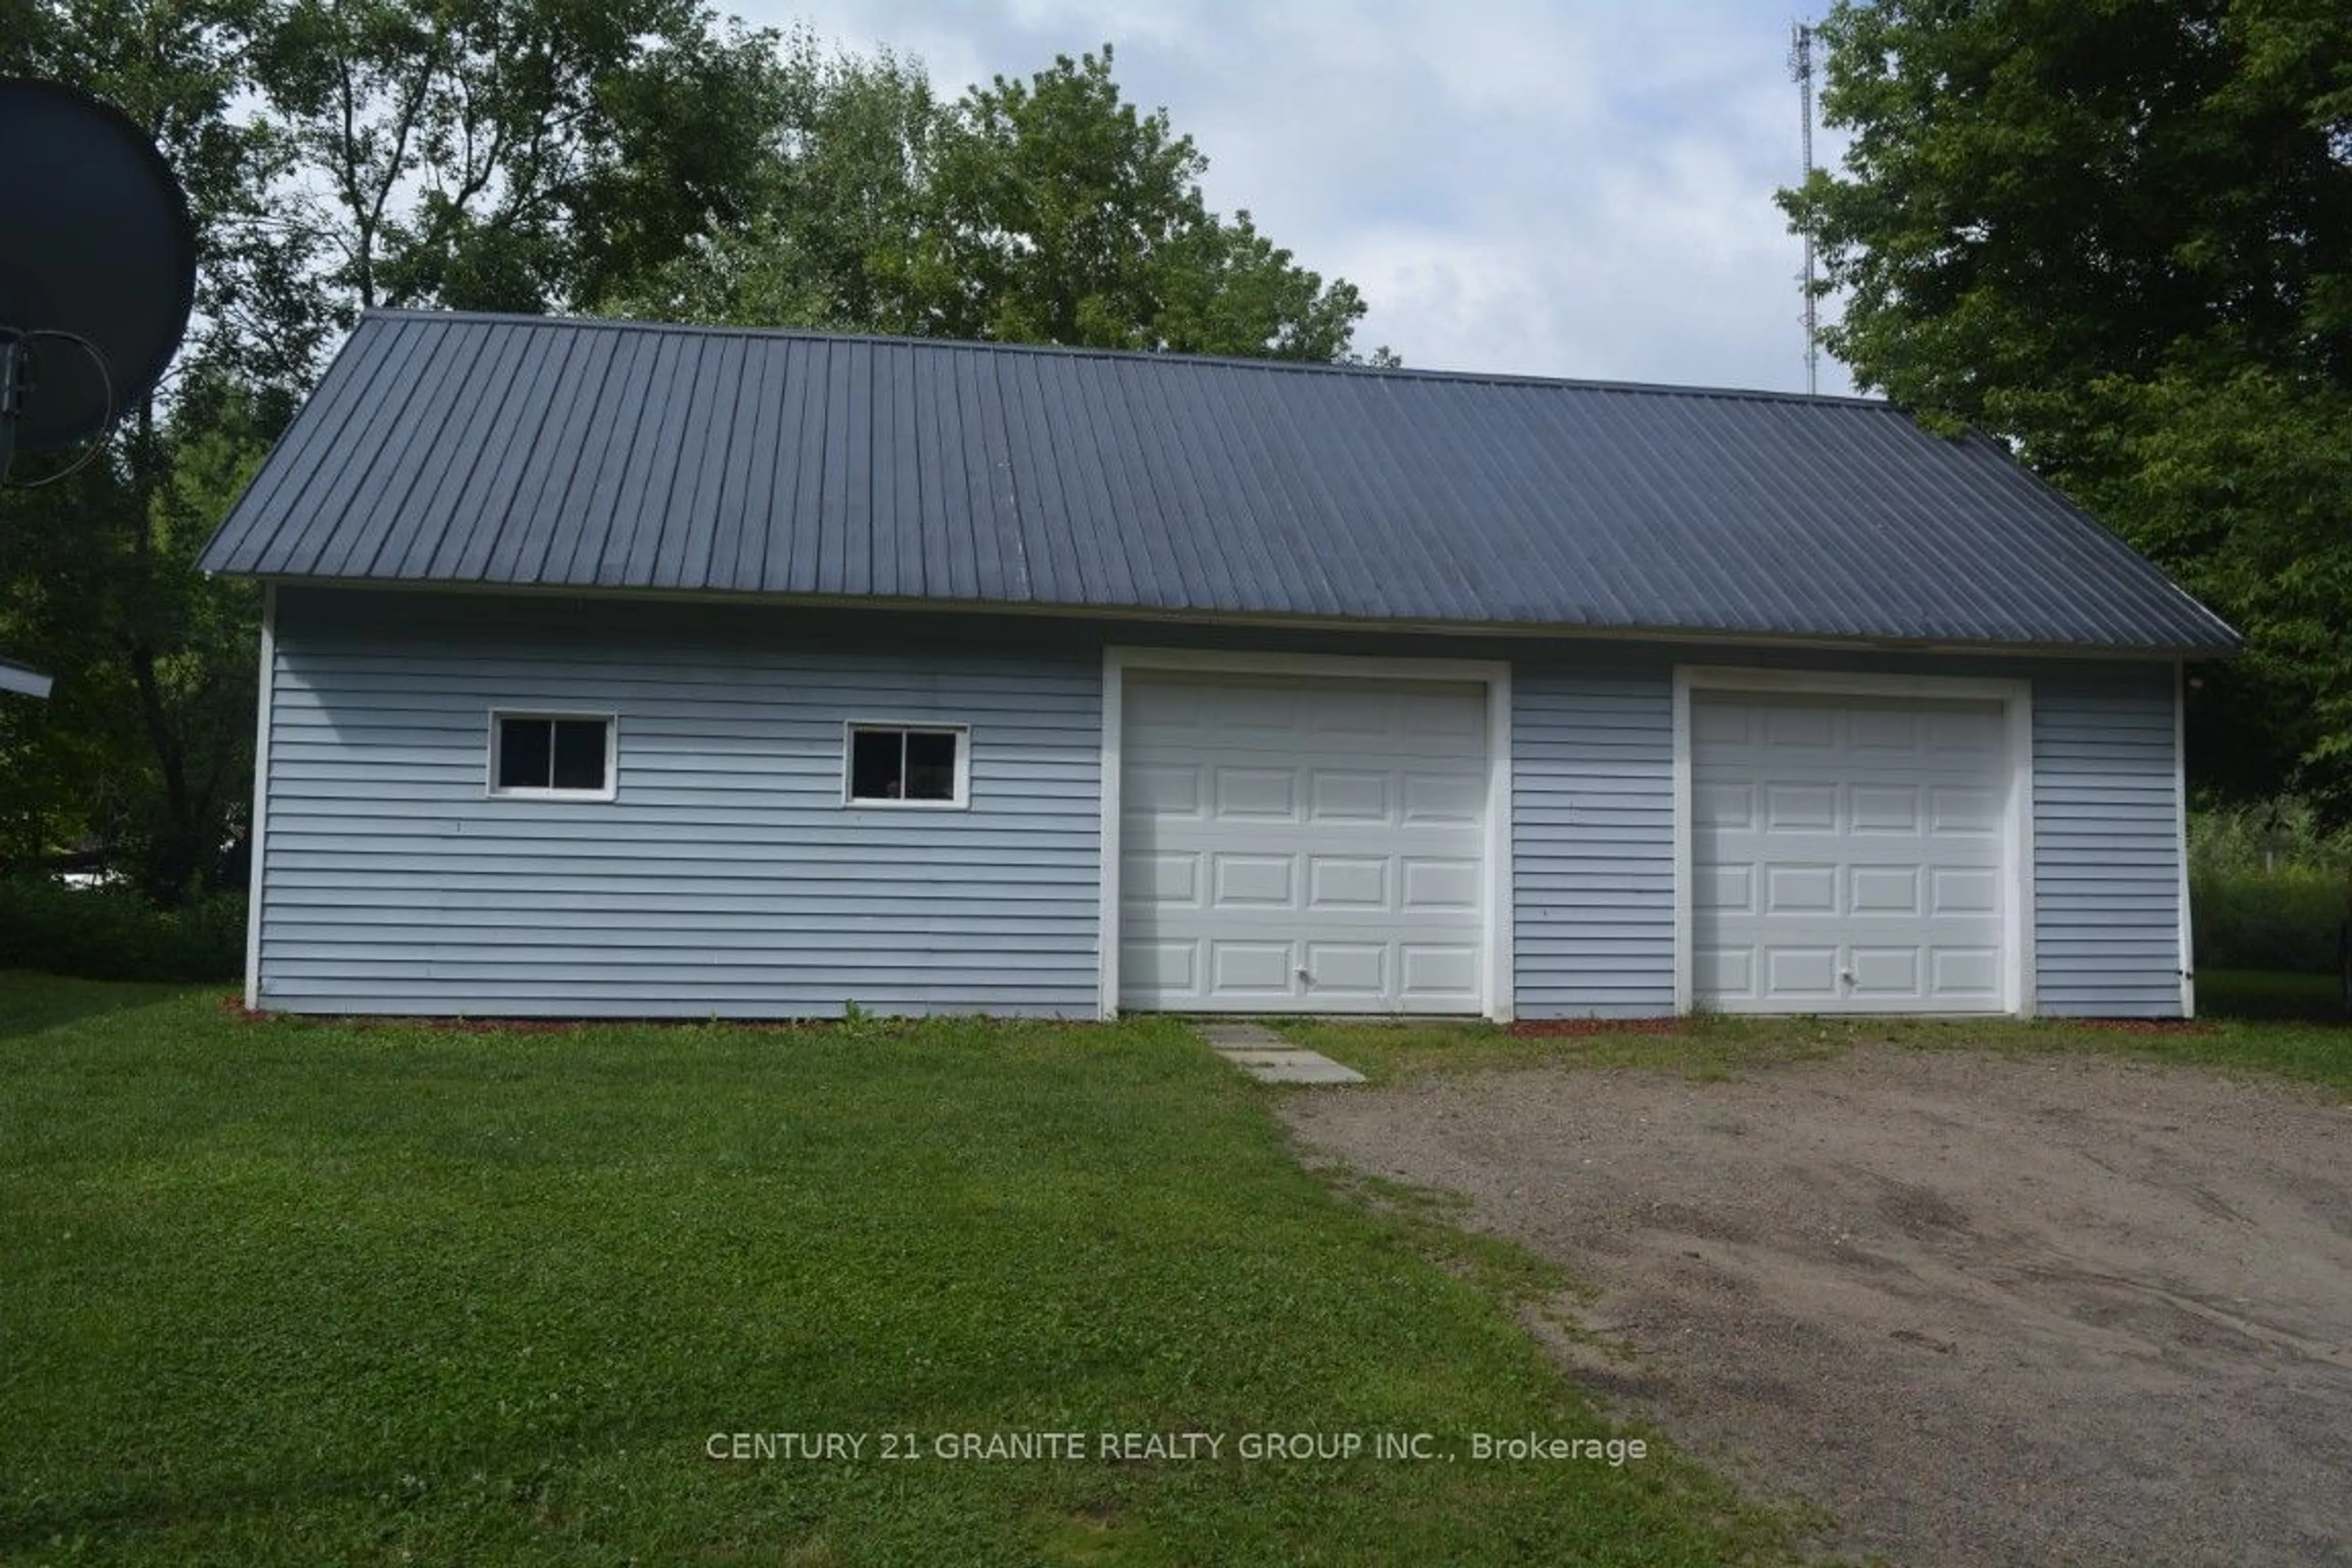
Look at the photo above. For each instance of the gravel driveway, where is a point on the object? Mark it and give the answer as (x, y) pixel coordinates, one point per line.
(1981, 1309)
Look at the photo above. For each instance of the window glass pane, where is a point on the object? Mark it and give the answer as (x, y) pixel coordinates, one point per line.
(580, 753)
(876, 764)
(525, 747)
(931, 764)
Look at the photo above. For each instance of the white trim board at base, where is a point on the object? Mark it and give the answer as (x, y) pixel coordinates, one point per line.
(1494, 967)
(2015, 697)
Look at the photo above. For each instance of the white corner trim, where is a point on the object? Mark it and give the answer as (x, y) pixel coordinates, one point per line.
(1497, 984)
(1501, 867)
(2180, 834)
(1686, 996)
(2016, 697)
(257, 831)
(2018, 921)
(1114, 710)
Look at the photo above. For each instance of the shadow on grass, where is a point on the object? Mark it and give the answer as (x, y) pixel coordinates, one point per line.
(30, 1002)
(2266, 995)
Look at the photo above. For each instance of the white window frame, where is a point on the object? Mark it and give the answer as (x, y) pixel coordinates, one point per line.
(960, 800)
(499, 716)
(2016, 698)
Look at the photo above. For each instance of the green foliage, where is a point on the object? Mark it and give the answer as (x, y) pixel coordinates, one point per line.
(2242, 483)
(528, 155)
(1065, 217)
(287, 1294)
(144, 747)
(2288, 920)
(183, 72)
(504, 154)
(2279, 835)
(2269, 887)
(519, 154)
(2120, 237)
(2040, 195)
(116, 933)
(830, 209)
(1047, 210)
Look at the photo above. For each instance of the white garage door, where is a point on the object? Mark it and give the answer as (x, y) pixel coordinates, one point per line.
(1848, 854)
(1301, 845)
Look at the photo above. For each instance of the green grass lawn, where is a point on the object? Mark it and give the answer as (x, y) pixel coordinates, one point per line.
(2254, 1021)
(293, 1293)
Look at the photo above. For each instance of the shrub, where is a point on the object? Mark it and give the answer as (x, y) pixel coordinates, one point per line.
(115, 933)
(2268, 888)
(2285, 919)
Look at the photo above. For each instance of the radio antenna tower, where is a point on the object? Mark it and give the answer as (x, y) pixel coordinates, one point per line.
(1800, 70)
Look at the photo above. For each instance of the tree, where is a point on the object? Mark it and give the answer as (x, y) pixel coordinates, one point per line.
(1063, 215)
(831, 209)
(1043, 211)
(528, 155)
(144, 742)
(2120, 237)
(337, 154)
(506, 154)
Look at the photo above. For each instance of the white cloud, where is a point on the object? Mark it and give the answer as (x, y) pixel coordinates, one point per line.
(1551, 189)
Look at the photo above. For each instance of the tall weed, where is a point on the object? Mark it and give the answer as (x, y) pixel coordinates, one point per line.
(2269, 887)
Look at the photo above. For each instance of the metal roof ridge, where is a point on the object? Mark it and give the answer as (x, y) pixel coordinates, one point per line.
(1085, 351)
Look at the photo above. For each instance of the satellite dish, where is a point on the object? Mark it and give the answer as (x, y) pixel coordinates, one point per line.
(98, 266)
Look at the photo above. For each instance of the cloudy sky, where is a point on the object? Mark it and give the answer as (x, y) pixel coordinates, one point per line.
(1578, 188)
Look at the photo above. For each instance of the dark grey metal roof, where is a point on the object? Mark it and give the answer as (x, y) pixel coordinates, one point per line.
(541, 453)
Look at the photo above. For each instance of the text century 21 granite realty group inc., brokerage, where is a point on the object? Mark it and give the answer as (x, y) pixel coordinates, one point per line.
(1114, 1447)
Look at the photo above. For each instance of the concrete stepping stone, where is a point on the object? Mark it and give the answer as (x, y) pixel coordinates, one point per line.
(1311, 1066)
(1269, 1058)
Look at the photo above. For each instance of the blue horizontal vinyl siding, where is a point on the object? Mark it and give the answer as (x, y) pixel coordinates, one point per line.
(1593, 831)
(2106, 847)
(726, 877)
(1592, 827)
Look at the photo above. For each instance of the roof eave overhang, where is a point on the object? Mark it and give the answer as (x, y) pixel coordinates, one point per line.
(1822, 642)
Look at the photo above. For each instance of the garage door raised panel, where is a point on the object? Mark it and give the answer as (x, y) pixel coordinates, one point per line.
(1848, 854)
(1305, 845)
